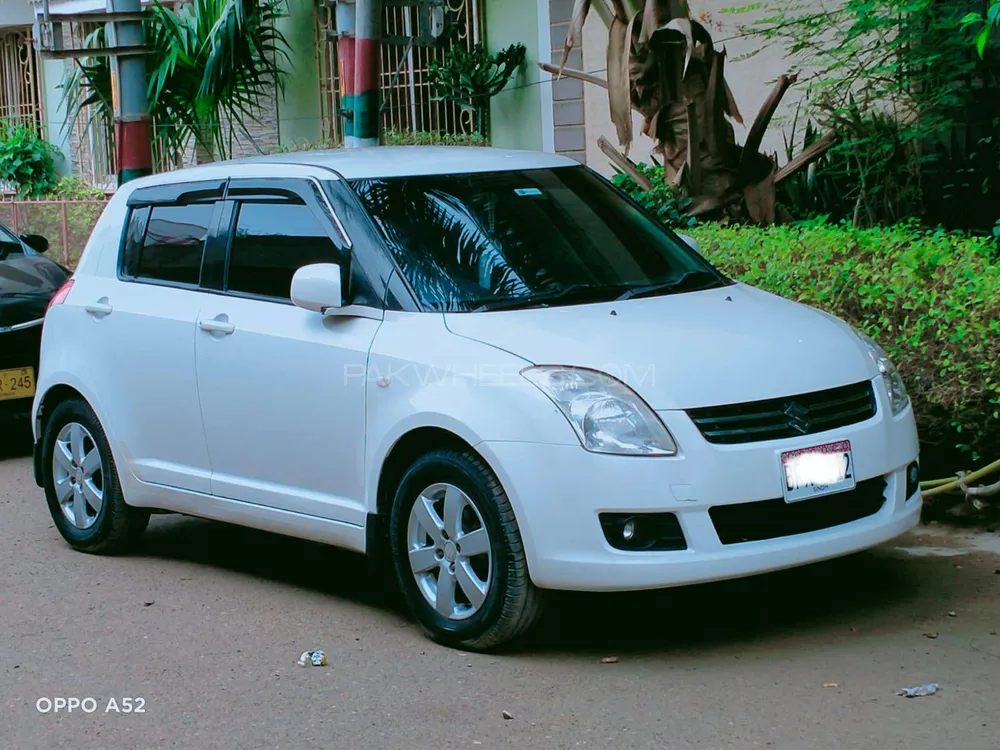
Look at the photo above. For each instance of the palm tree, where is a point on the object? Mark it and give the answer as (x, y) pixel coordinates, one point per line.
(212, 63)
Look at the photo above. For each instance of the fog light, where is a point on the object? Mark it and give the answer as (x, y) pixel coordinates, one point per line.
(912, 479)
(638, 532)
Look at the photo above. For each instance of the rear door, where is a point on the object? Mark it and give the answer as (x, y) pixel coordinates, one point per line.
(283, 408)
(143, 324)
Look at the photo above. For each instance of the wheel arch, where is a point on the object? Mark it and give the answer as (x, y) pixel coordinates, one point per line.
(50, 400)
(406, 449)
(56, 393)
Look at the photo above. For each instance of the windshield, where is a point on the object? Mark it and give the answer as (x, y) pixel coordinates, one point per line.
(503, 240)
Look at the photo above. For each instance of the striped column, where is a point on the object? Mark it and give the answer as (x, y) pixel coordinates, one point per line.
(345, 64)
(133, 141)
(346, 67)
(367, 57)
(133, 154)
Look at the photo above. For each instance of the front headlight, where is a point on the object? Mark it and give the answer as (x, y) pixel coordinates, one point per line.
(607, 415)
(898, 398)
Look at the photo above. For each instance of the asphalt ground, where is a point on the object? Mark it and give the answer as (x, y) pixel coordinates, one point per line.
(205, 622)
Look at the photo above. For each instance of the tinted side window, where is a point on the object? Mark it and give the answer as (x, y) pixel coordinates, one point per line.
(173, 243)
(271, 242)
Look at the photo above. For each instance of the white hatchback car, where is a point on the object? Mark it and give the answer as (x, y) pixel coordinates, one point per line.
(488, 366)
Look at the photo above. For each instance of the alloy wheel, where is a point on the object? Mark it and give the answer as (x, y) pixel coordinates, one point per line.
(78, 475)
(449, 551)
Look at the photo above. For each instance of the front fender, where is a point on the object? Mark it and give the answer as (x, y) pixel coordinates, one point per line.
(421, 375)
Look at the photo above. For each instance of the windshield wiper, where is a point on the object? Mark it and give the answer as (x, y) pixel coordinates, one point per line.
(688, 282)
(573, 292)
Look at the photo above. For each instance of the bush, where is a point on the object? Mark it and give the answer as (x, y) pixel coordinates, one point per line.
(423, 138)
(26, 161)
(931, 299)
(75, 189)
(662, 200)
(292, 148)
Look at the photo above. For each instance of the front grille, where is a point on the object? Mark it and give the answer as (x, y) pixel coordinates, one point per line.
(771, 519)
(792, 416)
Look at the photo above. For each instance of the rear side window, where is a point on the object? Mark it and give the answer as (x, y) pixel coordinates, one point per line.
(271, 242)
(166, 243)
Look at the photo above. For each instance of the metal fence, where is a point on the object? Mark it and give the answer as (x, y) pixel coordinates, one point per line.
(409, 103)
(20, 96)
(65, 223)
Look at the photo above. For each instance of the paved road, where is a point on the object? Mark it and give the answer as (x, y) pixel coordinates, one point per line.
(205, 625)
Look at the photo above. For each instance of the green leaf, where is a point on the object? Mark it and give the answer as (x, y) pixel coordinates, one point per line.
(981, 39)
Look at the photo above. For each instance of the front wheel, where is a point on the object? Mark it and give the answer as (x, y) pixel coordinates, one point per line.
(458, 555)
(81, 483)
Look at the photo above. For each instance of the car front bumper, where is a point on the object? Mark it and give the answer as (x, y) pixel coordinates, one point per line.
(558, 492)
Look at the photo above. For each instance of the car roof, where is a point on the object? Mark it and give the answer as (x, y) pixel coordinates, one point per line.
(373, 162)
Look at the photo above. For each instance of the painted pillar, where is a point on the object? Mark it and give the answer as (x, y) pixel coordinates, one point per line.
(367, 58)
(346, 67)
(133, 135)
(518, 112)
(300, 113)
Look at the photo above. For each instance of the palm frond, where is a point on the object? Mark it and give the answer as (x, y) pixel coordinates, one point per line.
(211, 61)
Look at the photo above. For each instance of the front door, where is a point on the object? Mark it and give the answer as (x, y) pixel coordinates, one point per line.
(284, 417)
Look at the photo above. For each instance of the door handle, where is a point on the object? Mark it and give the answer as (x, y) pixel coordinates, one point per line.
(215, 325)
(100, 308)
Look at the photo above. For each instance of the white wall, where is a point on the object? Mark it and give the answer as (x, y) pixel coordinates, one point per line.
(16, 13)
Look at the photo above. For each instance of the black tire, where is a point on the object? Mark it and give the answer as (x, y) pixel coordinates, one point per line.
(512, 603)
(117, 526)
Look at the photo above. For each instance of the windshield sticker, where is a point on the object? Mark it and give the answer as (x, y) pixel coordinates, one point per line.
(527, 191)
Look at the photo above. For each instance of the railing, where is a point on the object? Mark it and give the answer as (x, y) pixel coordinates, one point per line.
(408, 97)
(66, 224)
(20, 96)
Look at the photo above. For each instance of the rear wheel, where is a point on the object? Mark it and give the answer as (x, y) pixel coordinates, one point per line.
(458, 555)
(81, 483)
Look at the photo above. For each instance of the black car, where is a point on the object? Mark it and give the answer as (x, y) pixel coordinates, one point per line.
(28, 281)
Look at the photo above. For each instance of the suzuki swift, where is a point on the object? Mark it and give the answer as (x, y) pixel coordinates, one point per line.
(489, 367)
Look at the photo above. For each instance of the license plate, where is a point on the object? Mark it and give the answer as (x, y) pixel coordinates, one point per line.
(820, 470)
(17, 383)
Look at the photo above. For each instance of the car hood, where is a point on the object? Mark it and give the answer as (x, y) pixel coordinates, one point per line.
(26, 284)
(681, 351)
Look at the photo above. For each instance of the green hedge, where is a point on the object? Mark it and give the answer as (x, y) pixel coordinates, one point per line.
(931, 299)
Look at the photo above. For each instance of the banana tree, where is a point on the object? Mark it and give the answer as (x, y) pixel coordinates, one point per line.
(663, 64)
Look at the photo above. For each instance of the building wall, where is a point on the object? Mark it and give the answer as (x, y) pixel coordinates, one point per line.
(518, 115)
(569, 130)
(54, 125)
(16, 13)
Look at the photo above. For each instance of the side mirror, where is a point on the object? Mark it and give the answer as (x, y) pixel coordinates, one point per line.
(36, 242)
(317, 287)
(691, 242)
